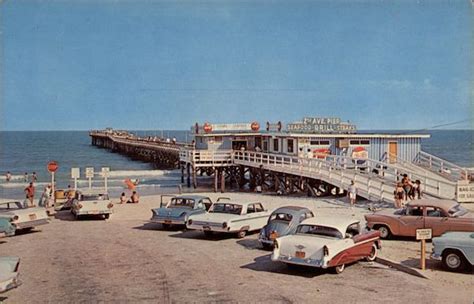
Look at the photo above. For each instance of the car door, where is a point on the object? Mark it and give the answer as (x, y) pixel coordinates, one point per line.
(436, 220)
(410, 221)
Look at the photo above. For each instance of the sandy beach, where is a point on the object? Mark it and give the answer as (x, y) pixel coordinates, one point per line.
(126, 259)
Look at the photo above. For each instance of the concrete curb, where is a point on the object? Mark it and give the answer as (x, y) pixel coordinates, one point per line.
(400, 267)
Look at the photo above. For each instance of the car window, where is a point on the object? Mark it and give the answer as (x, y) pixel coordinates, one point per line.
(414, 211)
(11, 205)
(207, 203)
(319, 231)
(226, 208)
(353, 230)
(258, 207)
(433, 212)
(283, 217)
(457, 210)
(177, 202)
(309, 214)
(250, 208)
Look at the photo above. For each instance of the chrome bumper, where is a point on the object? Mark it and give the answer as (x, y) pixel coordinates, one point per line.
(303, 262)
(436, 256)
(31, 224)
(95, 212)
(163, 220)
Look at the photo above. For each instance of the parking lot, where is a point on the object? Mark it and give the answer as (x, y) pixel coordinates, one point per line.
(126, 259)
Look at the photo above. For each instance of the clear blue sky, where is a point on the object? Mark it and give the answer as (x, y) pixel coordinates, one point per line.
(78, 65)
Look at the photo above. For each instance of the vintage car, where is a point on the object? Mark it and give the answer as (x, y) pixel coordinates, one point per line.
(455, 250)
(20, 217)
(9, 273)
(327, 242)
(179, 208)
(6, 227)
(230, 217)
(439, 215)
(282, 221)
(91, 203)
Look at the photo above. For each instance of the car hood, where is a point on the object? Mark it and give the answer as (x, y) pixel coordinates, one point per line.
(281, 228)
(171, 212)
(215, 217)
(454, 237)
(311, 245)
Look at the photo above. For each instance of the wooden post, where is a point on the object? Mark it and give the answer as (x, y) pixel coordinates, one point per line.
(182, 174)
(216, 179)
(188, 173)
(423, 254)
(194, 178)
(222, 180)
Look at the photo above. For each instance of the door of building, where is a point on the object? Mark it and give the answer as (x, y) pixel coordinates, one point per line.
(392, 151)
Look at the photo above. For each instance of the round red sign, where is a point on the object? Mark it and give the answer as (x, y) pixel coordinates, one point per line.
(52, 166)
(255, 126)
(207, 127)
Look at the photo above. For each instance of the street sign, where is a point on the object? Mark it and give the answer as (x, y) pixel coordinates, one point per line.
(52, 166)
(105, 171)
(90, 172)
(75, 173)
(423, 234)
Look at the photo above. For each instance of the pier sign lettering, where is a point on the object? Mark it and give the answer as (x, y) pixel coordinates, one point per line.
(208, 127)
(322, 124)
(465, 192)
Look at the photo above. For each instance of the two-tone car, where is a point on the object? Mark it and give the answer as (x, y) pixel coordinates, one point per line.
(455, 250)
(91, 203)
(9, 273)
(327, 242)
(6, 227)
(179, 209)
(439, 215)
(282, 221)
(20, 217)
(230, 217)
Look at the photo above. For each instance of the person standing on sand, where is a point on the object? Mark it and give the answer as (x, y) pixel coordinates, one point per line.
(30, 193)
(352, 193)
(34, 177)
(25, 177)
(8, 176)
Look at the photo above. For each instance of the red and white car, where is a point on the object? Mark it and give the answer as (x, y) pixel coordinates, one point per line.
(329, 242)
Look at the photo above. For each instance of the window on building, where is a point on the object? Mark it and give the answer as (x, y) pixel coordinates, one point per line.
(275, 145)
(265, 146)
(291, 148)
(360, 142)
(319, 142)
(218, 138)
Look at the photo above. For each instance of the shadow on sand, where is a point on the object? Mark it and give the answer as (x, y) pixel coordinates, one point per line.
(68, 216)
(434, 265)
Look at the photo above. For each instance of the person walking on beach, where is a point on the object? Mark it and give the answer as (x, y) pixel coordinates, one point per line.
(8, 176)
(34, 177)
(352, 193)
(30, 194)
(25, 177)
(45, 197)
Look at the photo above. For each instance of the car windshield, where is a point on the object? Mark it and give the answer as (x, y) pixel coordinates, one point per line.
(94, 197)
(281, 217)
(8, 206)
(226, 208)
(181, 203)
(319, 231)
(457, 210)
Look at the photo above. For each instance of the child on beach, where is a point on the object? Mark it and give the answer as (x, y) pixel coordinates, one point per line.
(134, 199)
(123, 198)
(352, 193)
(30, 194)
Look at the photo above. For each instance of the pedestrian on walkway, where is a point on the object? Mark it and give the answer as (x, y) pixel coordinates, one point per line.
(352, 193)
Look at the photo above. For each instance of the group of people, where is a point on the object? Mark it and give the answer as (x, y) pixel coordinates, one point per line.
(134, 198)
(407, 190)
(26, 177)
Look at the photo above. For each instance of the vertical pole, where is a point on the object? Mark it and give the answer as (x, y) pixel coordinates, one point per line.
(75, 183)
(423, 253)
(52, 185)
(188, 173)
(182, 174)
(194, 178)
(222, 180)
(216, 179)
(105, 182)
(90, 183)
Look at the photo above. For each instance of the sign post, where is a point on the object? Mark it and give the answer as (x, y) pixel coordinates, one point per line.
(423, 235)
(52, 167)
(75, 174)
(105, 174)
(90, 175)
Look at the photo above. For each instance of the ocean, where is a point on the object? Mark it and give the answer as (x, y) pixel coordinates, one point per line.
(30, 151)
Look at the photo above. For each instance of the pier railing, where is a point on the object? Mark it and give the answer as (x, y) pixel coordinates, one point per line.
(441, 166)
(206, 158)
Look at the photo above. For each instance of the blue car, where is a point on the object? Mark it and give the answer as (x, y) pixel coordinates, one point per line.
(282, 221)
(455, 250)
(6, 227)
(179, 208)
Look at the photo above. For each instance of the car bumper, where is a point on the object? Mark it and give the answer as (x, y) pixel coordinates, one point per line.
(168, 221)
(31, 224)
(211, 228)
(93, 212)
(9, 282)
(436, 256)
(303, 262)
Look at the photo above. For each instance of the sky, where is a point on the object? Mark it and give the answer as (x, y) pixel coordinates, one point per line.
(150, 65)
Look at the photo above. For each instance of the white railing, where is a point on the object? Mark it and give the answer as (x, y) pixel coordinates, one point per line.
(441, 166)
(201, 158)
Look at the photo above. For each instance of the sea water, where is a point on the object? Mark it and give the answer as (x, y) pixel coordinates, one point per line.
(30, 151)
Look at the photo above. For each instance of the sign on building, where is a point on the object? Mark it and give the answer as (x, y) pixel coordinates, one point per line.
(465, 192)
(322, 125)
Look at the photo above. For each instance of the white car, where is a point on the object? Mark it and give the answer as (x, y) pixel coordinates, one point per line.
(230, 217)
(327, 242)
(22, 217)
(9, 273)
(91, 203)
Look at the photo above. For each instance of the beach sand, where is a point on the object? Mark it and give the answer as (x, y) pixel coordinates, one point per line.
(126, 259)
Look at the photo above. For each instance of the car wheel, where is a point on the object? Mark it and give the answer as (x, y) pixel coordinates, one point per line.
(241, 234)
(453, 260)
(340, 268)
(207, 233)
(165, 226)
(384, 232)
(373, 253)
